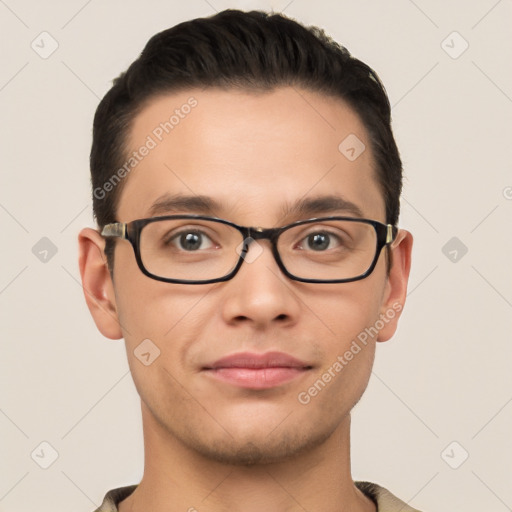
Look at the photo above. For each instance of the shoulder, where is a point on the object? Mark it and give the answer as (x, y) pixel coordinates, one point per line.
(385, 501)
(114, 497)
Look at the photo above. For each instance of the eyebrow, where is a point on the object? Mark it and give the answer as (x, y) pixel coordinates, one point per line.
(179, 203)
(321, 204)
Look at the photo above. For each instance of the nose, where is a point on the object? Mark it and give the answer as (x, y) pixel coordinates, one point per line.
(260, 294)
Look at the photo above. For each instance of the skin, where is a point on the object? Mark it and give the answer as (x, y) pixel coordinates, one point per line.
(208, 444)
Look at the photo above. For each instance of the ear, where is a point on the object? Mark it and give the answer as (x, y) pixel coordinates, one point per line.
(396, 287)
(97, 283)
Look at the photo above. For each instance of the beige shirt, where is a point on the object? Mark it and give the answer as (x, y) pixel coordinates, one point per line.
(384, 500)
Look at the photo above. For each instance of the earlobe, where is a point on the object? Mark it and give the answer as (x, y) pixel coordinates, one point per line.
(97, 283)
(396, 286)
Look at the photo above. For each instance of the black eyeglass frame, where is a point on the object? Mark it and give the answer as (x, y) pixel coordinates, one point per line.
(131, 231)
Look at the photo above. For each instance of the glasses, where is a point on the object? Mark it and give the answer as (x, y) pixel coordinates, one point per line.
(194, 249)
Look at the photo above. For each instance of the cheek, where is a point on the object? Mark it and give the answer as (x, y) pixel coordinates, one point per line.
(148, 308)
(349, 309)
(161, 319)
(348, 346)
(349, 315)
(142, 313)
(157, 324)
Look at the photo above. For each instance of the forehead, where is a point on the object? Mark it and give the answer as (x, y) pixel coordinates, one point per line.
(251, 152)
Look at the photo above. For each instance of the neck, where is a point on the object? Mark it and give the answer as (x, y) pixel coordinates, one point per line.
(177, 478)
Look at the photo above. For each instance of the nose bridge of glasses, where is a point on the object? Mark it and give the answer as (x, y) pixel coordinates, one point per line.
(262, 233)
(255, 234)
(253, 245)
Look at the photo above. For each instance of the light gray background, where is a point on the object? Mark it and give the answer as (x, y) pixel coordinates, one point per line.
(445, 376)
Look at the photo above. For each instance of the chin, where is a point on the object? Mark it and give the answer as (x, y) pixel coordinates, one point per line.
(259, 449)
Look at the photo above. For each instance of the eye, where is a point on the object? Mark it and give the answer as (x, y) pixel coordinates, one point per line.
(190, 240)
(320, 241)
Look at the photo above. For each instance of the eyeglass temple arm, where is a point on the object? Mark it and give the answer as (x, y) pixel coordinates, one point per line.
(117, 229)
(391, 233)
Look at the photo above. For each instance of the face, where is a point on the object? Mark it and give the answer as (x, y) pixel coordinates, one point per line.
(254, 155)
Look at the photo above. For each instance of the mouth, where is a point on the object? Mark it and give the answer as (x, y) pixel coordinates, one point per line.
(257, 371)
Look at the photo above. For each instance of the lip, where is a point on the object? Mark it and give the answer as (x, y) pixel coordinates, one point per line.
(257, 371)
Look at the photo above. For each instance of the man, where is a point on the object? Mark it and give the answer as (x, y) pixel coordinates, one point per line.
(246, 188)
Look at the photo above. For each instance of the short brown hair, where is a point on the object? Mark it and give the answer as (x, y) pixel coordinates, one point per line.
(249, 50)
